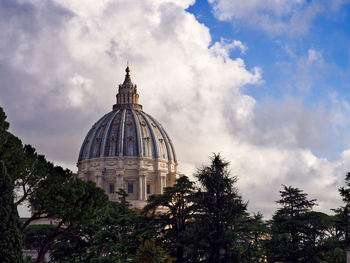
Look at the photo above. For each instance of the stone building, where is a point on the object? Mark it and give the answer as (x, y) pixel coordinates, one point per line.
(128, 149)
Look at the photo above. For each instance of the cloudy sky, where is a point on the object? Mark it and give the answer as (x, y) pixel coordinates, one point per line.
(265, 83)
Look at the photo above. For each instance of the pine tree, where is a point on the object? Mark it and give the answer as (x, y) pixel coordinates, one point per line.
(10, 235)
(175, 217)
(220, 212)
(289, 227)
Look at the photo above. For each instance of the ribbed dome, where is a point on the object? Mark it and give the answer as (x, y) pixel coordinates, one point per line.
(127, 131)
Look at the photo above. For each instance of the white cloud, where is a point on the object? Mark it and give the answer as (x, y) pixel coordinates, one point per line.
(79, 89)
(224, 47)
(274, 16)
(195, 90)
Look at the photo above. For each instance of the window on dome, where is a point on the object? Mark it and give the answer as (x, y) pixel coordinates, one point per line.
(111, 189)
(130, 188)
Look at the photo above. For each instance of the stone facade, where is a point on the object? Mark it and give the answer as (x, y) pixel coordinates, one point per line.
(138, 176)
(128, 149)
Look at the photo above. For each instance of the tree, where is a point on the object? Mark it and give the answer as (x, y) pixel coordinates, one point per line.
(172, 212)
(25, 167)
(74, 245)
(318, 236)
(51, 191)
(11, 149)
(35, 170)
(252, 232)
(289, 228)
(150, 252)
(49, 181)
(35, 235)
(220, 211)
(10, 235)
(72, 202)
(116, 239)
(113, 237)
(337, 255)
(344, 212)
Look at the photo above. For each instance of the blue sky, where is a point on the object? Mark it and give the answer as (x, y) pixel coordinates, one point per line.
(280, 57)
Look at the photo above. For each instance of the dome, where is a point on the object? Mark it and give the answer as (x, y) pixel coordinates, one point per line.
(128, 149)
(127, 132)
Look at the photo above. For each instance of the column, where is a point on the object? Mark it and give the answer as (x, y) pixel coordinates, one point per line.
(162, 185)
(158, 183)
(120, 182)
(145, 186)
(99, 181)
(140, 187)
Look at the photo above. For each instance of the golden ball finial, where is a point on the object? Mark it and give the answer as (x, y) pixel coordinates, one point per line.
(127, 70)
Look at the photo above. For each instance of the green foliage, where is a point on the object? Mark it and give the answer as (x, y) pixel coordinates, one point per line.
(219, 213)
(35, 171)
(345, 191)
(51, 191)
(113, 237)
(290, 227)
(67, 198)
(337, 255)
(150, 252)
(35, 236)
(251, 233)
(344, 212)
(172, 212)
(332, 251)
(12, 154)
(294, 202)
(74, 245)
(23, 165)
(116, 239)
(71, 201)
(11, 149)
(10, 235)
(4, 125)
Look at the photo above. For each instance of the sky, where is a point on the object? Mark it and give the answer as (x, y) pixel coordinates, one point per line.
(264, 83)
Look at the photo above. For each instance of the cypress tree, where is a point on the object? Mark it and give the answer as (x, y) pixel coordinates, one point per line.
(10, 235)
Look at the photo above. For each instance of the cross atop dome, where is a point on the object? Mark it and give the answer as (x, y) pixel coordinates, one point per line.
(127, 96)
